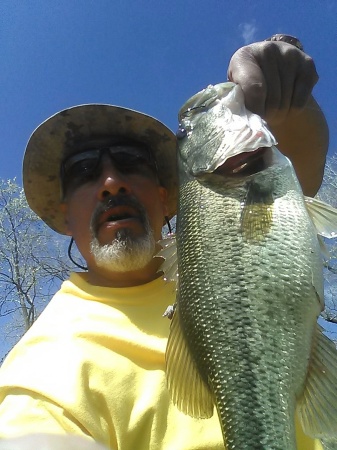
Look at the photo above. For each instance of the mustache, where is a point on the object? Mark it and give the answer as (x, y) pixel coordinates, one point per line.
(113, 201)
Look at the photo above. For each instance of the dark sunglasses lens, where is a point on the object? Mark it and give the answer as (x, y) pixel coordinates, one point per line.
(81, 161)
(83, 167)
(79, 169)
(129, 159)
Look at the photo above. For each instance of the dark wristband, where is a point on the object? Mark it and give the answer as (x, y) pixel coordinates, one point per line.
(288, 39)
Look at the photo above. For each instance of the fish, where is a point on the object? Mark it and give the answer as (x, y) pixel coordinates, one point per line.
(247, 259)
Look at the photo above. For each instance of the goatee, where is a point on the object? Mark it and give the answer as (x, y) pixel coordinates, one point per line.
(127, 251)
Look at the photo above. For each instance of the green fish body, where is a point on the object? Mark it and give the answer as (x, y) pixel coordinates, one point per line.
(244, 335)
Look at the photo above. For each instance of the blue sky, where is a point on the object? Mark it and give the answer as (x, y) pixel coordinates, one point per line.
(147, 55)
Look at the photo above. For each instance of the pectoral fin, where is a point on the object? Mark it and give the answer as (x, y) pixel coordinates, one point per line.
(188, 391)
(317, 408)
(256, 214)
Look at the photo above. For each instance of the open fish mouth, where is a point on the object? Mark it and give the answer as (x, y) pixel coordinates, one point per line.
(244, 164)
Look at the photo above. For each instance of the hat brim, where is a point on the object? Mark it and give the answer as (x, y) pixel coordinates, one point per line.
(59, 137)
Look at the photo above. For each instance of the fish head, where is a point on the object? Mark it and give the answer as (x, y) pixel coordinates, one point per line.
(266, 168)
(214, 126)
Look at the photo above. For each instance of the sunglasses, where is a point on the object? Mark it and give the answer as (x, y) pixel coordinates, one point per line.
(86, 166)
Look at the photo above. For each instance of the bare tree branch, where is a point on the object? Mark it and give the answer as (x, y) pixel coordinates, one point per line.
(328, 193)
(33, 261)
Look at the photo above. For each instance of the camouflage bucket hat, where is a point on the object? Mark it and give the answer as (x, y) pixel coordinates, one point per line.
(59, 136)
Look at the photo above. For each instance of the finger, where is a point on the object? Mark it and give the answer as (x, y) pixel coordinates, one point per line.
(280, 74)
(297, 75)
(276, 77)
(269, 62)
(304, 83)
(244, 70)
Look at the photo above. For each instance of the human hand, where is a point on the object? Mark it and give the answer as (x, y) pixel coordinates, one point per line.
(276, 77)
(49, 442)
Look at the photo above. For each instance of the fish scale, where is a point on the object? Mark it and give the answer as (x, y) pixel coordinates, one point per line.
(243, 335)
(243, 338)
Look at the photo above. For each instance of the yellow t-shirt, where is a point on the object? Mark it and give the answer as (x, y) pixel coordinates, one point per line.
(93, 364)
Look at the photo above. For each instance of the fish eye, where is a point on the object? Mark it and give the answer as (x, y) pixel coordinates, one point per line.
(181, 132)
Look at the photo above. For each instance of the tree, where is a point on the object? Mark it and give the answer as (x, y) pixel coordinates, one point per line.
(32, 262)
(328, 193)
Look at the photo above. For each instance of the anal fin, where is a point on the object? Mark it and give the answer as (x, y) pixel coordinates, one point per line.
(188, 391)
(317, 407)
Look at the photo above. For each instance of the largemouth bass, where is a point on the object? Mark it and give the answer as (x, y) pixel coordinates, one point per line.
(244, 334)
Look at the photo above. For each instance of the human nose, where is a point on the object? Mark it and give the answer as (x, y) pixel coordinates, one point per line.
(112, 181)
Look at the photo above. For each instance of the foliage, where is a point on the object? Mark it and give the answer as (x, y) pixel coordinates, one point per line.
(32, 261)
(328, 193)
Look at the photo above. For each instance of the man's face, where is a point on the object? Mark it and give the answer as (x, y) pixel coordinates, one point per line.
(114, 206)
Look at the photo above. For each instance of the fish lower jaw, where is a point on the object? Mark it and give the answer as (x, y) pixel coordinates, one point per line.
(246, 163)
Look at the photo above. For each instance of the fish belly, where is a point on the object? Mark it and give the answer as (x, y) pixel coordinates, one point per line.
(248, 307)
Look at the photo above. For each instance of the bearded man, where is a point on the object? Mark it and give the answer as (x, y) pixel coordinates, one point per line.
(91, 370)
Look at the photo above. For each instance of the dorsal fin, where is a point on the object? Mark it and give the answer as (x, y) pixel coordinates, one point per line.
(169, 252)
(323, 216)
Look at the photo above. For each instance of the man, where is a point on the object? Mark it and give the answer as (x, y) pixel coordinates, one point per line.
(92, 366)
